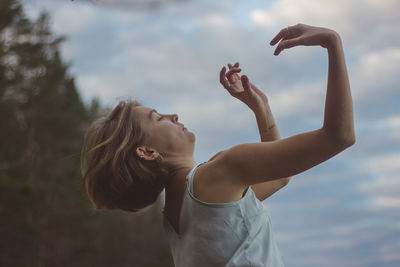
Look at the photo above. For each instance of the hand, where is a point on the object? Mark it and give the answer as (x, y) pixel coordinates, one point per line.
(241, 88)
(302, 34)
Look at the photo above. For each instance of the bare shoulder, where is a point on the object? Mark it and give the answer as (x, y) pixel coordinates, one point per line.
(213, 183)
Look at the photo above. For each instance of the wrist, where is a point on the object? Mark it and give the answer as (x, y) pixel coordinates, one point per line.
(266, 125)
(261, 110)
(264, 116)
(333, 40)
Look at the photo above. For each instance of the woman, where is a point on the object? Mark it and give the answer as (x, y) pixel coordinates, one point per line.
(213, 215)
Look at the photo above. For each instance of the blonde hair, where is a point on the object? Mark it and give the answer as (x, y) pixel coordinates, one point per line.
(113, 175)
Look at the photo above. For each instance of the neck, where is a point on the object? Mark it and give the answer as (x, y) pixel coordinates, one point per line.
(180, 170)
(175, 187)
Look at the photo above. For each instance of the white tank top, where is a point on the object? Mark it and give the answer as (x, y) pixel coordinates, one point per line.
(231, 234)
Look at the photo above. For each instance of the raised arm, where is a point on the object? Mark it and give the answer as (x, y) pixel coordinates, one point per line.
(338, 115)
(253, 163)
(258, 102)
(269, 132)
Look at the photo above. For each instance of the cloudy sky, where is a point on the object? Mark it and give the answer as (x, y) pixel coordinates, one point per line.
(168, 54)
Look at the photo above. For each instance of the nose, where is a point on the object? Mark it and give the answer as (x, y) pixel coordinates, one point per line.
(175, 117)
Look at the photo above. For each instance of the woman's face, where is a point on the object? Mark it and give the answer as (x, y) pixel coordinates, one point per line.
(165, 133)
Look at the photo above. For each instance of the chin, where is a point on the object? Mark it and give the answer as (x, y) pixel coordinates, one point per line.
(193, 136)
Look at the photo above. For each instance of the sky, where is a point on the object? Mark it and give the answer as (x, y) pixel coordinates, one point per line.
(168, 54)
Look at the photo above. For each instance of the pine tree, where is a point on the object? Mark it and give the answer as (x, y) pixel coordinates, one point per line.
(46, 220)
(42, 121)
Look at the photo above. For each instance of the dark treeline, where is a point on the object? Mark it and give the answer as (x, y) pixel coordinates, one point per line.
(45, 217)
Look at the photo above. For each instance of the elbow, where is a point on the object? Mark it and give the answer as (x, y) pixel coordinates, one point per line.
(285, 181)
(343, 139)
(352, 141)
(347, 140)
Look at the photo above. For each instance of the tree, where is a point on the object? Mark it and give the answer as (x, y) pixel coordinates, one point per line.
(46, 218)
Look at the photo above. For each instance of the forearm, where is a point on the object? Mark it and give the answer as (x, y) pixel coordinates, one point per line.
(268, 128)
(338, 115)
(266, 124)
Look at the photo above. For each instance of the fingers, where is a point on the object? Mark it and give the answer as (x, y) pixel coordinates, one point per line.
(282, 34)
(246, 83)
(285, 44)
(288, 37)
(236, 65)
(230, 78)
(222, 78)
(232, 71)
(232, 74)
(226, 79)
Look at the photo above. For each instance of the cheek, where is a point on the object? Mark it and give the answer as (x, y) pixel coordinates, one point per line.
(174, 137)
(168, 136)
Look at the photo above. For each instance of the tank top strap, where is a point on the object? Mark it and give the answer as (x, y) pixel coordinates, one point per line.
(189, 177)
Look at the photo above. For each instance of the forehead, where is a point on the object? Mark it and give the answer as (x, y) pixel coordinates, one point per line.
(142, 111)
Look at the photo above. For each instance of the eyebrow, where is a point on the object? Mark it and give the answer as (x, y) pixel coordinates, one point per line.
(151, 111)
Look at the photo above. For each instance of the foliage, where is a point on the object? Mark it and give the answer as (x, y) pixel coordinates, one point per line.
(46, 220)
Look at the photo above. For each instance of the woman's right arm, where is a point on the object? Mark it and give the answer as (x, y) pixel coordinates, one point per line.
(338, 116)
(253, 163)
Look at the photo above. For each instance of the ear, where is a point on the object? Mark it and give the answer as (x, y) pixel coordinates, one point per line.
(148, 153)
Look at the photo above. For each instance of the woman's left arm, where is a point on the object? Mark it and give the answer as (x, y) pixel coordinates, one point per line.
(241, 88)
(268, 132)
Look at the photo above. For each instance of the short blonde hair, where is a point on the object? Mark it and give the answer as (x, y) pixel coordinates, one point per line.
(113, 175)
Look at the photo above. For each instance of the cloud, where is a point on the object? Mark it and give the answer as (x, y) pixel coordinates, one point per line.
(308, 98)
(83, 18)
(147, 4)
(363, 25)
(217, 20)
(384, 188)
(388, 202)
(375, 74)
(371, 44)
